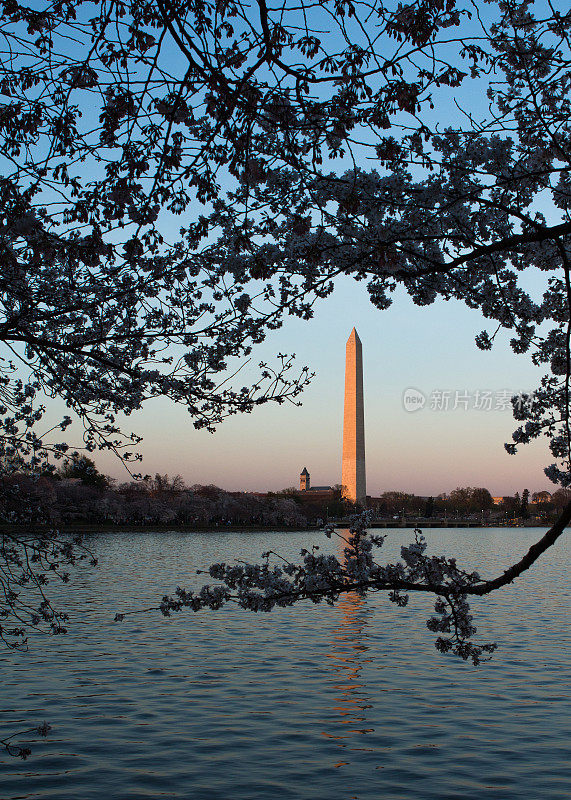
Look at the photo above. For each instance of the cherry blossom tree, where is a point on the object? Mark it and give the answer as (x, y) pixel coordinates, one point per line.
(254, 127)
(180, 176)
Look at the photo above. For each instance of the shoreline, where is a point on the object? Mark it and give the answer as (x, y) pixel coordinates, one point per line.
(94, 528)
(158, 528)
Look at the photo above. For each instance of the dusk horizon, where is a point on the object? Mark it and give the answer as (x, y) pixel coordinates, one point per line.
(401, 445)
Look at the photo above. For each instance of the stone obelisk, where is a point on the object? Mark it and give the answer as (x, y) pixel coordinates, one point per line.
(353, 466)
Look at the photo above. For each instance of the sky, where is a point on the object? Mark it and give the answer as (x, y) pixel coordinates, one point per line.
(430, 350)
(426, 452)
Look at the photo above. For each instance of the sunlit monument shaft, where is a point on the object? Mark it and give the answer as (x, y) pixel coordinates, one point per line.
(353, 467)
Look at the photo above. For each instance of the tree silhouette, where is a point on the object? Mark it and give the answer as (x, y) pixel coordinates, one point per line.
(178, 178)
(524, 507)
(83, 468)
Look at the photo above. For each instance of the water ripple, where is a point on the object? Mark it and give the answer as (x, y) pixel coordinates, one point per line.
(311, 703)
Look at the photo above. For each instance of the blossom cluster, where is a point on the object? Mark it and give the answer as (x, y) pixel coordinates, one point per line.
(323, 577)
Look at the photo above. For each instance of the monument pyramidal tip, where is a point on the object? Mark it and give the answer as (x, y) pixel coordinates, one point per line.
(353, 463)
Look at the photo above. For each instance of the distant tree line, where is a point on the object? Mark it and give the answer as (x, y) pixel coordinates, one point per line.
(468, 501)
(79, 494)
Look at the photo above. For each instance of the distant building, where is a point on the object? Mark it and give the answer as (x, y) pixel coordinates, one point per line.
(313, 493)
(498, 500)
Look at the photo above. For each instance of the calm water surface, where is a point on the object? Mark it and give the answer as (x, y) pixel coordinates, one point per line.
(308, 703)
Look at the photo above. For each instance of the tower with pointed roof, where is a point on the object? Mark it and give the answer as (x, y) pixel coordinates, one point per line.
(353, 462)
(304, 480)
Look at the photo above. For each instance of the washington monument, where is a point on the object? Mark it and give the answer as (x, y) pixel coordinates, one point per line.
(353, 467)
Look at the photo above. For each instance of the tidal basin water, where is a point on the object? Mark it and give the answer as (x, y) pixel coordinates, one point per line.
(350, 702)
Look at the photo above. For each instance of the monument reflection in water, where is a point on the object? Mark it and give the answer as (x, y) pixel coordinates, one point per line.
(348, 656)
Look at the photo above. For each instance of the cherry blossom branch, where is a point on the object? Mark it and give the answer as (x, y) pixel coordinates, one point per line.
(534, 552)
(323, 578)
